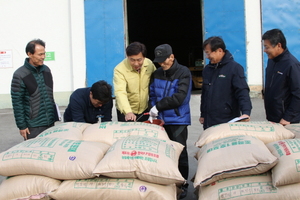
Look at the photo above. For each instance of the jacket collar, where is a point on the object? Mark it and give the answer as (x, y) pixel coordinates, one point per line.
(172, 69)
(33, 68)
(279, 57)
(226, 58)
(87, 94)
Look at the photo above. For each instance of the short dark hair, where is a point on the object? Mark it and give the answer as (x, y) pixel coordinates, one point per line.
(215, 43)
(275, 36)
(102, 91)
(135, 48)
(30, 47)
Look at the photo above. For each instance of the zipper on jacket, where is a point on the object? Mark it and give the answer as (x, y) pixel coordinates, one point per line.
(139, 105)
(44, 101)
(167, 83)
(210, 91)
(272, 78)
(282, 102)
(167, 90)
(176, 111)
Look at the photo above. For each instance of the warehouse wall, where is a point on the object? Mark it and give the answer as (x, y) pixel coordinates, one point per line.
(60, 23)
(254, 51)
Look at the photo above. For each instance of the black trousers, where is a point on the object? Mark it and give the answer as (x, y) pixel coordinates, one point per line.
(121, 117)
(179, 134)
(35, 131)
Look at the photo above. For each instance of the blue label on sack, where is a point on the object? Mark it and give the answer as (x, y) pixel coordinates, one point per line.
(143, 189)
(72, 158)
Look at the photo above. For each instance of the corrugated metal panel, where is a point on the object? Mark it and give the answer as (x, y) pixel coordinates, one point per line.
(226, 18)
(105, 45)
(284, 15)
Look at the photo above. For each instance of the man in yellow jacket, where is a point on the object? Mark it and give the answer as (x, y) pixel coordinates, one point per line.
(131, 83)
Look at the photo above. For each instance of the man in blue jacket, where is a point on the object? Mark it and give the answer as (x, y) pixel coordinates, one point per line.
(225, 92)
(90, 104)
(282, 86)
(170, 92)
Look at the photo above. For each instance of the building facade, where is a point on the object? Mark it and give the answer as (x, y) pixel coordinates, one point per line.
(85, 39)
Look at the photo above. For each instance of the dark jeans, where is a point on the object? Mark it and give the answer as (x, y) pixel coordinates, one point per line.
(179, 134)
(35, 131)
(121, 117)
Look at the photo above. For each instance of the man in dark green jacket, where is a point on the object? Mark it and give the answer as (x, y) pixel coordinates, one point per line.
(32, 93)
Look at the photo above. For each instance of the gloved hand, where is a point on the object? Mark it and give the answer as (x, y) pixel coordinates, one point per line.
(153, 112)
(151, 119)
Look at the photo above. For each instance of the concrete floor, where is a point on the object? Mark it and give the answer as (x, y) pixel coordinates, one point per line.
(10, 134)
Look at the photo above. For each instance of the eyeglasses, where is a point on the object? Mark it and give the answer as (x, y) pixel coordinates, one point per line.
(208, 53)
(134, 60)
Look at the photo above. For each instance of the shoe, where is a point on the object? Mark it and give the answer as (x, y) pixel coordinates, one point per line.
(183, 194)
(184, 189)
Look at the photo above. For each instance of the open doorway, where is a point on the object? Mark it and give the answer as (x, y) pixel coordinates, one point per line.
(176, 22)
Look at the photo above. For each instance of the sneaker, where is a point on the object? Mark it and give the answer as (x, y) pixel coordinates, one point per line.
(184, 189)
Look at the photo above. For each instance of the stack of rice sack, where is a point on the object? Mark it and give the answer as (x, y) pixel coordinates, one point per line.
(241, 161)
(295, 128)
(111, 160)
(39, 164)
(110, 132)
(287, 170)
(134, 167)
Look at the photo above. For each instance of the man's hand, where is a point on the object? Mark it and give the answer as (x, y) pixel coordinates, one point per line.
(201, 120)
(153, 112)
(130, 117)
(245, 116)
(24, 133)
(284, 122)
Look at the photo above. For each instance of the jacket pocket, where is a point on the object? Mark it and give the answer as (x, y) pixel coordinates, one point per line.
(228, 108)
(282, 104)
(30, 110)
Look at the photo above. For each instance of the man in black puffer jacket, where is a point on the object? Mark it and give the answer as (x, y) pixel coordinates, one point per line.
(32, 93)
(225, 92)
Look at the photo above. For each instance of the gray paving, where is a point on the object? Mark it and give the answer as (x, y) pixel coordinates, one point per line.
(10, 134)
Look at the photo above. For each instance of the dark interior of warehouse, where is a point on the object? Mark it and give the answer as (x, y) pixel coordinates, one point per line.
(176, 22)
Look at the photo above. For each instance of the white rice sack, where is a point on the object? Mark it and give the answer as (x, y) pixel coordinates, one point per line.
(67, 130)
(114, 189)
(232, 156)
(110, 132)
(28, 187)
(263, 130)
(294, 128)
(148, 159)
(255, 187)
(287, 171)
(54, 157)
